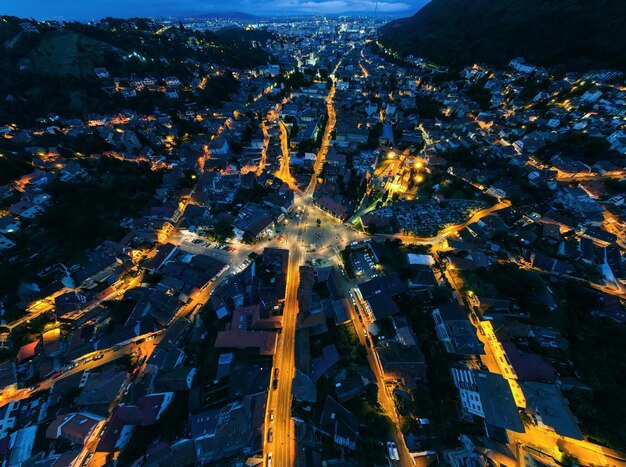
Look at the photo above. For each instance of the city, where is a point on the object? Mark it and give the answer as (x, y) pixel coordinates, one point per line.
(283, 240)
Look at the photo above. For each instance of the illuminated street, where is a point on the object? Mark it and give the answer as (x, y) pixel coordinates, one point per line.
(312, 233)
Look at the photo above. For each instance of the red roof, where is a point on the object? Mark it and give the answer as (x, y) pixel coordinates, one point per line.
(27, 351)
(265, 341)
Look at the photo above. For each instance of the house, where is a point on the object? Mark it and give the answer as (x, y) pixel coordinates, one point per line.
(527, 366)
(74, 427)
(252, 223)
(28, 351)
(219, 147)
(26, 209)
(101, 389)
(455, 331)
(172, 81)
(402, 363)
(69, 302)
(147, 410)
(115, 436)
(9, 225)
(339, 423)
(101, 73)
(488, 396)
(8, 377)
(320, 366)
(549, 409)
(8, 413)
(228, 430)
(5, 243)
(377, 295)
(159, 256)
(332, 207)
(178, 379)
(52, 342)
(20, 445)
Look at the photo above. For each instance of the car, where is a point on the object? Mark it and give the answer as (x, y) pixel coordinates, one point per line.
(275, 384)
(270, 435)
(276, 372)
(271, 415)
(57, 374)
(196, 241)
(99, 356)
(32, 388)
(423, 421)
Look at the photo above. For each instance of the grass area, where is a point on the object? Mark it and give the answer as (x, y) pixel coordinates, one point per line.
(593, 345)
(469, 280)
(66, 53)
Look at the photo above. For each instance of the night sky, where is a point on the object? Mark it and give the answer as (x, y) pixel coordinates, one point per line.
(85, 9)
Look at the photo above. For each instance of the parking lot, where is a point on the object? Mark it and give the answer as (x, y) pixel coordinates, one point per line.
(364, 265)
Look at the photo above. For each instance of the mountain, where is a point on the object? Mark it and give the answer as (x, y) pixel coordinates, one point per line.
(578, 34)
(227, 15)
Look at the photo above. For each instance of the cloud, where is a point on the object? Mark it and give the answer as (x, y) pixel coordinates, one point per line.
(80, 9)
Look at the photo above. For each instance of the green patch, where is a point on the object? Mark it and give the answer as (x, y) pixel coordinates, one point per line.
(66, 53)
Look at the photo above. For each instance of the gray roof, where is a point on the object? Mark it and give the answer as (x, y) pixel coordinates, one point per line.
(497, 400)
(547, 403)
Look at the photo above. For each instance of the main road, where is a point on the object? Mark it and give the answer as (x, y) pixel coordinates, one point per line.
(281, 450)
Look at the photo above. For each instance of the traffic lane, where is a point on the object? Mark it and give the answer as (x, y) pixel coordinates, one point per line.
(88, 362)
(383, 395)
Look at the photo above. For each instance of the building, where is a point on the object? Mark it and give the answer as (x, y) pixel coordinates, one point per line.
(455, 331)
(488, 396)
(75, 427)
(549, 409)
(339, 423)
(377, 295)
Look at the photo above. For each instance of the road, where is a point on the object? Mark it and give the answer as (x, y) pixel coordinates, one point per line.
(328, 131)
(447, 231)
(88, 362)
(284, 172)
(266, 144)
(279, 400)
(282, 449)
(361, 323)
